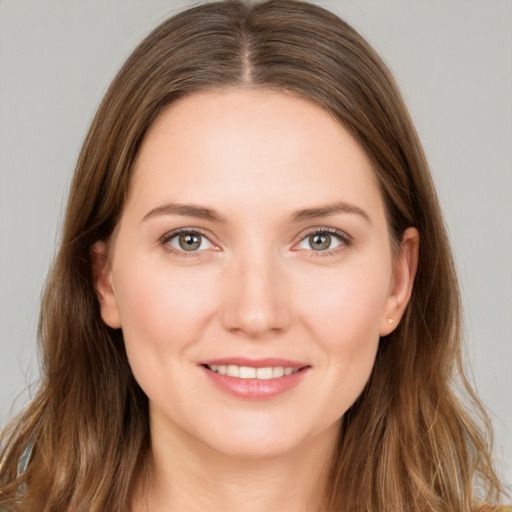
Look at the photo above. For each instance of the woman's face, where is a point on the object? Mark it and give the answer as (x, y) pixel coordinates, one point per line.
(251, 272)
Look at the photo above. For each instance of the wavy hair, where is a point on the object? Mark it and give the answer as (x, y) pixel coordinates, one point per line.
(409, 442)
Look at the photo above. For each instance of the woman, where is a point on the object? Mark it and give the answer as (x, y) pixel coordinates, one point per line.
(254, 304)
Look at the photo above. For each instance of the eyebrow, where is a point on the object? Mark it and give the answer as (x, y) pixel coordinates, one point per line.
(203, 212)
(188, 210)
(328, 209)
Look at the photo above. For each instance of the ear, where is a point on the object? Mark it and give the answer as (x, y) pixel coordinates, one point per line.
(406, 265)
(102, 280)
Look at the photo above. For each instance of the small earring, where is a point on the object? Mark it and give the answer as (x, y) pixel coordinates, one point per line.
(390, 320)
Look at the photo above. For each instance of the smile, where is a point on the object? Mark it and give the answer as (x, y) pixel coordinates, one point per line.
(249, 372)
(255, 379)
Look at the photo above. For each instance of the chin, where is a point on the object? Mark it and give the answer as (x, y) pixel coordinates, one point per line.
(267, 440)
(254, 449)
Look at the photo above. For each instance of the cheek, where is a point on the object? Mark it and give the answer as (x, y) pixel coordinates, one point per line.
(162, 309)
(162, 313)
(345, 323)
(344, 319)
(347, 305)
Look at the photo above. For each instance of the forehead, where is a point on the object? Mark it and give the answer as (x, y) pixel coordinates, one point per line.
(262, 146)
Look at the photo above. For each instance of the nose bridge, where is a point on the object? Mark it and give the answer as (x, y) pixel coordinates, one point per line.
(255, 297)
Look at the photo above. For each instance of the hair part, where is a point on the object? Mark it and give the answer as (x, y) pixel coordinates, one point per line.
(408, 443)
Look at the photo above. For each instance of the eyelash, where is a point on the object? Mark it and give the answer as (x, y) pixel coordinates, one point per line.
(164, 241)
(344, 239)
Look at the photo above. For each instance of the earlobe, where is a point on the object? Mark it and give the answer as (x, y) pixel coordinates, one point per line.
(102, 281)
(404, 273)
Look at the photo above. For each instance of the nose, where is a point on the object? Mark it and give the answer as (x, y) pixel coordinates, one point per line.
(255, 301)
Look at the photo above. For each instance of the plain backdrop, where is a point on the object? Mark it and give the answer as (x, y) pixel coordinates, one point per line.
(452, 60)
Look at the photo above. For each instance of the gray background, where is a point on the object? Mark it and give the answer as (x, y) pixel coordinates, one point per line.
(452, 59)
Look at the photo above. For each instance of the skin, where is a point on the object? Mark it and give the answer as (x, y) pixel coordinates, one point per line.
(256, 287)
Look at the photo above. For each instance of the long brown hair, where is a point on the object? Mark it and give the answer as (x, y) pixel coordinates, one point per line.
(408, 442)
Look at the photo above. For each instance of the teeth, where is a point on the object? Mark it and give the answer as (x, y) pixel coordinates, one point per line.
(233, 371)
(278, 371)
(248, 372)
(264, 373)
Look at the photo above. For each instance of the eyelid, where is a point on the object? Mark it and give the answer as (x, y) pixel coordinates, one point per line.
(174, 232)
(164, 241)
(345, 239)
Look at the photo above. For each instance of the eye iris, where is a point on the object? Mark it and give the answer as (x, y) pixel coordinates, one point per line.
(319, 242)
(189, 241)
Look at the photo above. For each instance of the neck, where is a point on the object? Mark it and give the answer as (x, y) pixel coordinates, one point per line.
(185, 474)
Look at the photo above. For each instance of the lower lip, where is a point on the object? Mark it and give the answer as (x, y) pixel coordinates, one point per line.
(255, 389)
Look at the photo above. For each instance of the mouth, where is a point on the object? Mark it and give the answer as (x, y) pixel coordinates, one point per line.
(250, 372)
(255, 380)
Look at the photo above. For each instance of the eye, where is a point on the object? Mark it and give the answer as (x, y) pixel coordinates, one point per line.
(186, 241)
(324, 240)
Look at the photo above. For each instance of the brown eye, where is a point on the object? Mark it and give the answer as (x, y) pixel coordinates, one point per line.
(188, 241)
(322, 240)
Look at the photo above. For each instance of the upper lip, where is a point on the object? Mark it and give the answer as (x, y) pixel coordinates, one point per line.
(255, 363)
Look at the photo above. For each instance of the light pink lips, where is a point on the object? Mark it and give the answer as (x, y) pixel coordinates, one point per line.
(255, 389)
